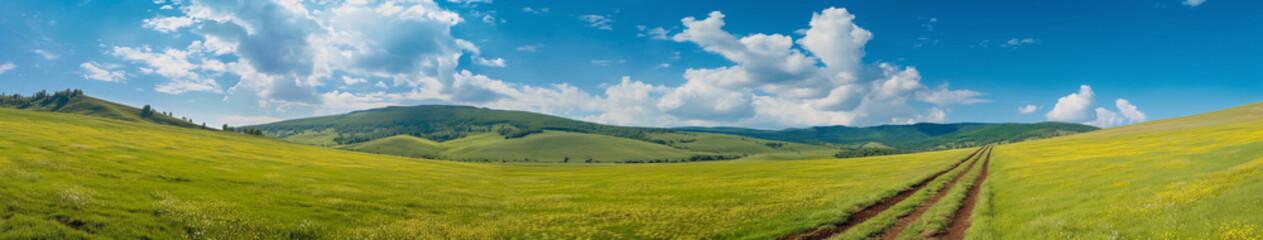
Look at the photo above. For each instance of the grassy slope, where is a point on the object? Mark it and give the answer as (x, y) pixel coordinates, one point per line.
(550, 146)
(922, 136)
(85, 105)
(71, 176)
(1196, 177)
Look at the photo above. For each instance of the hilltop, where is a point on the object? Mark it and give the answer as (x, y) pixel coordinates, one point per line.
(75, 102)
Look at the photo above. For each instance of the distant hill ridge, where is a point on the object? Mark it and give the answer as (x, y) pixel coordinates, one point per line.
(919, 137)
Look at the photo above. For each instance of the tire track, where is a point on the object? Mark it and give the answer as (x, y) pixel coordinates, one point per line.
(963, 218)
(907, 220)
(829, 230)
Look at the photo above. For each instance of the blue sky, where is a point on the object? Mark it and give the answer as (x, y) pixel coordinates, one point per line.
(649, 63)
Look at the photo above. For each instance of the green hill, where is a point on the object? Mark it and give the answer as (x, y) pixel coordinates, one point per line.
(484, 135)
(917, 137)
(1194, 177)
(75, 102)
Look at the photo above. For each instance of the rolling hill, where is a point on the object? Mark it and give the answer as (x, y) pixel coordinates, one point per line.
(75, 102)
(483, 135)
(915, 137)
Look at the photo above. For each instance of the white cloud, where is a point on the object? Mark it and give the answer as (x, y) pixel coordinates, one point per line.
(102, 73)
(283, 51)
(944, 96)
(658, 33)
(6, 67)
(663, 65)
(45, 54)
(168, 24)
(181, 74)
(1193, 3)
(598, 21)
(1027, 109)
(1014, 43)
(603, 63)
(1133, 115)
(498, 62)
(529, 48)
(1075, 107)
(1105, 118)
(1078, 107)
(352, 81)
(535, 10)
(238, 120)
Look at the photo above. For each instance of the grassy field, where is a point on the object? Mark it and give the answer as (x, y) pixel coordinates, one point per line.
(67, 176)
(557, 146)
(1197, 177)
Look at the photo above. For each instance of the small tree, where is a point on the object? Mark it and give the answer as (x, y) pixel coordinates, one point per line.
(146, 112)
(566, 160)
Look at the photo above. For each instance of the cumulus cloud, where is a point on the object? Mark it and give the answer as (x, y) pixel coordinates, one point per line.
(101, 72)
(282, 51)
(1027, 109)
(1193, 3)
(1133, 115)
(1075, 107)
(1078, 107)
(6, 67)
(1105, 118)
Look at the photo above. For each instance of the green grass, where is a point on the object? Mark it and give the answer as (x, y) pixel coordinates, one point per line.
(67, 176)
(888, 218)
(940, 215)
(1196, 177)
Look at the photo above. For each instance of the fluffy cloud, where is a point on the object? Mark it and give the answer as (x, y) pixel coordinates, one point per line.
(1027, 109)
(282, 51)
(1105, 118)
(1075, 107)
(168, 24)
(6, 67)
(775, 83)
(1133, 115)
(1078, 107)
(92, 71)
(1193, 3)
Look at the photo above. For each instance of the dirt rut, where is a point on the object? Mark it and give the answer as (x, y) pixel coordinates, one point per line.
(962, 220)
(907, 220)
(824, 232)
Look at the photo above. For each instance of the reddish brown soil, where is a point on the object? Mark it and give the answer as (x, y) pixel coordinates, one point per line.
(907, 220)
(961, 221)
(826, 231)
